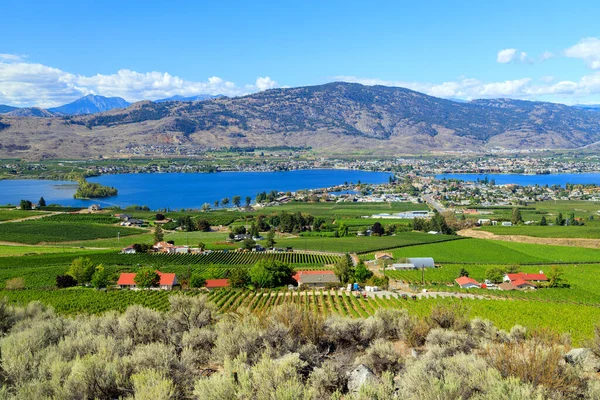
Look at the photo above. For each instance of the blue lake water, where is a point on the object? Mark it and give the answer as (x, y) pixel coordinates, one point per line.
(529, 180)
(182, 190)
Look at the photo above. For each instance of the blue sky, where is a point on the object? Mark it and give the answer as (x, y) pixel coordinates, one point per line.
(53, 52)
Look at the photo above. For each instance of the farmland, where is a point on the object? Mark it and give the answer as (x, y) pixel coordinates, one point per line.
(588, 231)
(33, 232)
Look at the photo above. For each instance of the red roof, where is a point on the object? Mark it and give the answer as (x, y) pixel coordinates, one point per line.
(463, 280)
(216, 283)
(527, 277)
(128, 279)
(298, 273)
(521, 282)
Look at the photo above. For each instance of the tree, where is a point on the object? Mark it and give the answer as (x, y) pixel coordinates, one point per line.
(42, 202)
(344, 269)
(560, 221)
(543, 221)
(249, 244)
(238, 278)
(224, 201)
(158, 234)
(187, 223)
(203, 225)
(342, 230)
(555, 278)
(494, 274)
(160, 217)
(146, 277)
(65, 281)
(377, 229)
(81, 270)
(26, 205)
(216, 203)
(463, 272)
(205, 207)
(271, 238)
(236, 200)
(201, 245)
(100, 277)
(270, 273)
(516, 216)
(248, 201)
(361, 273)
(197, 281)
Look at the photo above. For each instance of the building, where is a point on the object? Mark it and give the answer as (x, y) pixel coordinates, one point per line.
(212, 284)
(522, 284)
(383, 256)
(94, 207)
(467, 283)
(506, 223)
(166, 280)
(506, 286)
(401, 266)
(128, 250)
(540, 277)
(421, 262)
(316, 279)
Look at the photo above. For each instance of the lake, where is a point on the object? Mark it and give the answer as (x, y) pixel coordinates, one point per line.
(182, 190)
(529, 180)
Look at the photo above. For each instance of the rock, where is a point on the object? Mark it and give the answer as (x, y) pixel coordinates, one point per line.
(583, 358)
(358, 377)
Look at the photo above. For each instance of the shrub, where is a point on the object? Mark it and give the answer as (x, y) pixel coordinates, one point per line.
(14, 284)
(65, 281)
(381, 356)
(197, 281)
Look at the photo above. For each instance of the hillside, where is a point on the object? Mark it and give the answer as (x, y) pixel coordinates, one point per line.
(331, 118)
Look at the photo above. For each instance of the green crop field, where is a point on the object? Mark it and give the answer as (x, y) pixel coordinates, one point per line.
(362, 244)
(83, 218)
(9, 214)
(588, 231)
(496, 252)
(7, 251)
(32, 232)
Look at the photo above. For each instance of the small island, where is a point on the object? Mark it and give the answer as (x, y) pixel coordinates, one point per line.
(87, 190)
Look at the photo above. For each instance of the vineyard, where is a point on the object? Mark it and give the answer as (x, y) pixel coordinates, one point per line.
(87, 218)
(230, 258)
(32, 232)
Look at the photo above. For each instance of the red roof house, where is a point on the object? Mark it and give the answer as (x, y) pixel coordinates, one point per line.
(166, 282)
(526, 277)
(467, 283)
(216, 283)
(522, 284)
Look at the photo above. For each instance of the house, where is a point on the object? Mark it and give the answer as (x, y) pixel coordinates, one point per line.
(241, 237)
(166, 282)
(383, 256)
(522, 284)
(506, 286)
(506, 223)
(484, 221)
(212, 284)
(467, 283)
(164, 247)
(132, 222)
(128, 250)
(123, 217)
(540, 277)
(94, 207)
(315, 279)
(421, 262)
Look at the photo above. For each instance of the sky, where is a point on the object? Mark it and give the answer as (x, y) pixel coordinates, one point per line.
(55, 51)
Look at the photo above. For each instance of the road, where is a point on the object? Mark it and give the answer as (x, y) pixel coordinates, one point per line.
(434, 203)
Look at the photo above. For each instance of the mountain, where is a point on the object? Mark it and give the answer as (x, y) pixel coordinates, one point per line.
(30, 112)
(335, 118)
(594, 107)
(200, 97)
(90, 104)
(5, 108)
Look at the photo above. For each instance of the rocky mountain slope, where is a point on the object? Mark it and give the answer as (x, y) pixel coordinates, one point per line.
(332, 118)
(90, 104)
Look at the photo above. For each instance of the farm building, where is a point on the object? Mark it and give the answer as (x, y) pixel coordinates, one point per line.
(383, 256)
(467, 283)
(506, 223)
(541, 277)
(315, 279)
(522, 284)
(506, 286)
(166, 282)
(401, 266)
(421, 262)
(128, 250)
(212, 284)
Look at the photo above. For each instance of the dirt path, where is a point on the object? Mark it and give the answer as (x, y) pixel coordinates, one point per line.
(479, 234)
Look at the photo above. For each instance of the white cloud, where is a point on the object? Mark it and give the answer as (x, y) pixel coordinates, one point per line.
(27, 84)
(507, 55)
(524, 88)
(588, 49)
(11, 57)
(547, 55)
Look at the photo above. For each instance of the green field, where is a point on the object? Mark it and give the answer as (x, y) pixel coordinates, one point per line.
(7, 251)
(33, 232)
(480, 251)
(10, 214)
(588, 231)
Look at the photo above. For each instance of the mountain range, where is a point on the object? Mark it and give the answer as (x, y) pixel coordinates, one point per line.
(335, 118)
